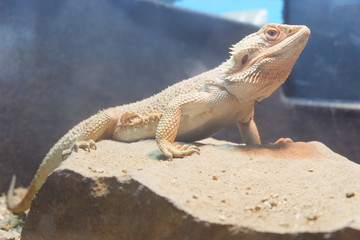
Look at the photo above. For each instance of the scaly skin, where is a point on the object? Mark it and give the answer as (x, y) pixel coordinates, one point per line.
(192, 109)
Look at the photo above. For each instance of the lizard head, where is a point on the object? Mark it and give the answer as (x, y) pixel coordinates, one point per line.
(262, 61)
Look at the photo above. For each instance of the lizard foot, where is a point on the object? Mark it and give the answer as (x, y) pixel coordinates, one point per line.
(86, 145)
(178, 151)
(283, 140)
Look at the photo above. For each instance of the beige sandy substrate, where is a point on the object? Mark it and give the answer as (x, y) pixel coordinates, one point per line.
(293, 188)
(298, 187)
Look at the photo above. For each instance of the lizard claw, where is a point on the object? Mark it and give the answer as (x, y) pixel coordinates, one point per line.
(86, 145)
(178, 151)
(188, 147)
(283, 140)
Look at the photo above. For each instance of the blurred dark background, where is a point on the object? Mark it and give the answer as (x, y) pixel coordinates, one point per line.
(62, 61)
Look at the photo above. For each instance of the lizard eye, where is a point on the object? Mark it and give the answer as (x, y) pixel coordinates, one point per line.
(244, 59)
(272, 33)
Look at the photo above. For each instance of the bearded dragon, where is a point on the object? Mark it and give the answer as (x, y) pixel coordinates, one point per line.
(192, 109)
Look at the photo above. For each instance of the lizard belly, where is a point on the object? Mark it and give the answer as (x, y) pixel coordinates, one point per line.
(134, 133)
(197, 127)
(133, 127)
(192, 127)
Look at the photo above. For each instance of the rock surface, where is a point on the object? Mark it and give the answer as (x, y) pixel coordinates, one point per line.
(6, 235)
(123, 191)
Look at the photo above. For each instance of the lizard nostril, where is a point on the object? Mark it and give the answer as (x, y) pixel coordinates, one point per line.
(244, 59)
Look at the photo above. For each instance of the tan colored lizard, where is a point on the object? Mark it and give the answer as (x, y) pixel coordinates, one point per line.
(192, 109)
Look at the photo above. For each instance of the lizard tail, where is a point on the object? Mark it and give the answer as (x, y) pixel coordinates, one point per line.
(50, 162)
(24, 204)
(10, 193)
(98, 126)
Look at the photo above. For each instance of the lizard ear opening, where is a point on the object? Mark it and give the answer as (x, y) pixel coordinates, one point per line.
(237, 62)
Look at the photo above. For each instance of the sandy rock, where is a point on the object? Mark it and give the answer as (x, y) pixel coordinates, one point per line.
(6, 235)
(124, 191)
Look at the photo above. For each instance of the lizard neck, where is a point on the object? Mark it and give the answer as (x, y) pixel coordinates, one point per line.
(259, 80)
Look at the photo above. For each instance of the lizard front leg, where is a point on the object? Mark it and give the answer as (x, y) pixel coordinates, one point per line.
(169, 124)
(249, 132)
